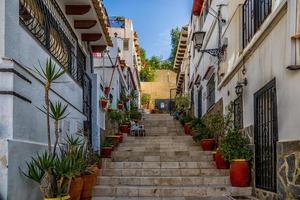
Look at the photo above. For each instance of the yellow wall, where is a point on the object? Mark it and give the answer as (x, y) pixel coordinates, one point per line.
(160, 88)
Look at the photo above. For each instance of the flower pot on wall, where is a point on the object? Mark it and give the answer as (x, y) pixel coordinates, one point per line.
(220, 162)
(103, 103)
(239, 173)
(207, 144)
(76, 188)
(120, 106)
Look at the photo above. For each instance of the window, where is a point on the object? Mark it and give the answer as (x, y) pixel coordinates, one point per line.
(211, 92)
(238, 112)
(254, 14)
(126, 44)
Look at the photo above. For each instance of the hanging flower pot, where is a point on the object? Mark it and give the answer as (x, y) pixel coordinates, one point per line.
(106, 90)
(220, 162)
(127, 99)
(207, 144)
(76, 188)
(103, 102)
(109, 110)
(239, 173)
(120, 106)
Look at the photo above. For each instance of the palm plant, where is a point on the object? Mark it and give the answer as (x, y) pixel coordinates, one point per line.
(50, 73)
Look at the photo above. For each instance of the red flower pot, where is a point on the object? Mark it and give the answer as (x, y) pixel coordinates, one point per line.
(106, 90)
(207, 144)
(187, 130)
(127, 99)
(120, 106)
(106, 152)
(239, 173)
(220, 162)
(103, 103)
(120, 137)
(124, 128)
(109, 110)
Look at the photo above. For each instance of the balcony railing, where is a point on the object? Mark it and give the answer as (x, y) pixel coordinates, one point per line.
(255, 13)
(46, 22)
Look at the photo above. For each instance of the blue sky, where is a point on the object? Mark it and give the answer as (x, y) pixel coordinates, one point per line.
(153, 20)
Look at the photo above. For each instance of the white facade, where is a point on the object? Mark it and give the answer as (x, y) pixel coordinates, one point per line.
(22, 126)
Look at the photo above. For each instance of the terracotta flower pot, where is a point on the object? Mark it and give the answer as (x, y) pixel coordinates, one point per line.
(88, 184)
(207, 144)
(239, 173)
(124, 128)
(120, 137)
(187, 130)
(120, 106)
(106, 152)
(220, 162)
(76, 188)
(103, 103)
(106, 90)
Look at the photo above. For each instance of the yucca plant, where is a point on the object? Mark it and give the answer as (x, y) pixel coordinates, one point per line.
(57, 113)
(50, 73)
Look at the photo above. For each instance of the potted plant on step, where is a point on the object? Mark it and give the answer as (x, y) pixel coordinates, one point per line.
(205, 136)
(235, 149)
(103, 102)
(107, 148)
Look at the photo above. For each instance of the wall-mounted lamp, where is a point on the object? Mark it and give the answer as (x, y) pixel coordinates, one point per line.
(239, 87)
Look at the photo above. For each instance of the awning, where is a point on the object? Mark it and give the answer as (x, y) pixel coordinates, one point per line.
(197, 7)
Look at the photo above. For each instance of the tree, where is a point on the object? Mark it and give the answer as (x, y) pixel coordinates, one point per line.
(175, 35)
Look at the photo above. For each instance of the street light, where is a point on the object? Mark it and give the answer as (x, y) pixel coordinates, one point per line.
(198, 38)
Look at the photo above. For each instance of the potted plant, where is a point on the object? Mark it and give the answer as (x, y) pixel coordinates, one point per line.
(135, 115)
(120, 105)
(235, 149)
(109, 110)
(103, 102)
(127, 99)
(107, 148)
(185, 120)
(205, 136)
(221, 163)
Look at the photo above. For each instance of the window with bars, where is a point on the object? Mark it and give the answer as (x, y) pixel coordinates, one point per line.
(126, 44)
(254, 14)
(211, 92)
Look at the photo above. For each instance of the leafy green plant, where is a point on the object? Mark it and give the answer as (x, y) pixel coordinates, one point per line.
(145, 99)
(135, 114)
(235, 146)
(182, 102)
(107, 142)
(116, 116)
(203, 132)
(185, 119)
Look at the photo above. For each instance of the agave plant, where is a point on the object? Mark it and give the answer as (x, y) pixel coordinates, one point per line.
(50, 73)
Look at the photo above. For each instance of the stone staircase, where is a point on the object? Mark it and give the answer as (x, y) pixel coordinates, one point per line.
(164, 165)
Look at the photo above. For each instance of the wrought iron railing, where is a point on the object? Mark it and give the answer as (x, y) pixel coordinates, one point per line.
(46, 22)
(254, 14)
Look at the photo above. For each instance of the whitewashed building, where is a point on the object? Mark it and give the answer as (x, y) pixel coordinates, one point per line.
(30, 33)
(248, 60)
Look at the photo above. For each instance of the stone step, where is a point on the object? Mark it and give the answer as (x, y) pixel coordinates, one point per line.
(169, 153)
(160, 165)
(161, 198)
(195, 156)
(163, 181)
(151, 138)
(159, 144)
(161, 172)
(168, 191)
(159, 149)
